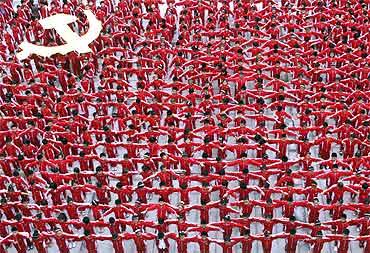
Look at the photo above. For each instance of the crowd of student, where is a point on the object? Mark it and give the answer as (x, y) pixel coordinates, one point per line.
(256, 109)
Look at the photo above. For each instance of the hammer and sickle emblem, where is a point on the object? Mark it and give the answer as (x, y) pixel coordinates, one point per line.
(74, 42)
